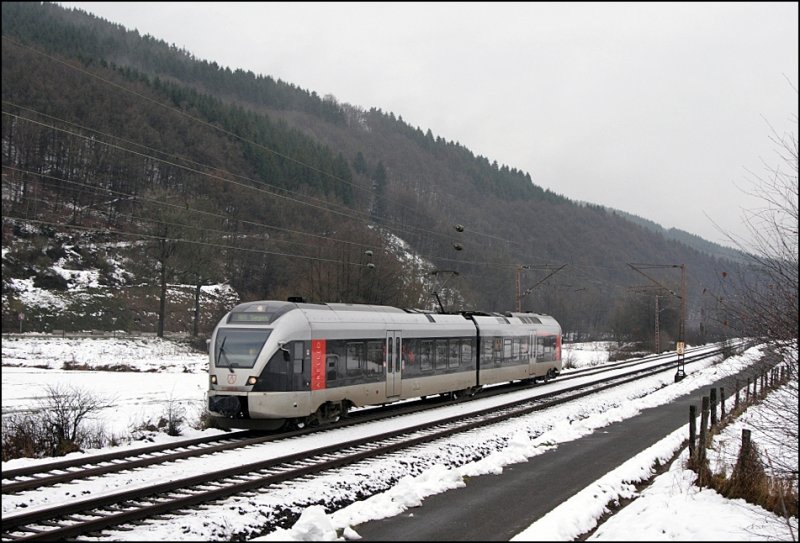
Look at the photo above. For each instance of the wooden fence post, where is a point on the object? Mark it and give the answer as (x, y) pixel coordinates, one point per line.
(692, 430)
(721, 403)
(745, 443)
(736, 401)
(713, 393)
(701, 445)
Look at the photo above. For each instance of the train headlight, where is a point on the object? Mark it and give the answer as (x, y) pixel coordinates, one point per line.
(252, 380)
(213, 379)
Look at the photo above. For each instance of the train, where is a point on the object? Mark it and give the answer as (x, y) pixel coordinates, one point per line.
(277, 364)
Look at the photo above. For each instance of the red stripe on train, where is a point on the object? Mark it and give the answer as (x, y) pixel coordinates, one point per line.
(317, 364)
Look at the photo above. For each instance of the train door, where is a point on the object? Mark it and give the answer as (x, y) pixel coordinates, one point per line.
(394, 366)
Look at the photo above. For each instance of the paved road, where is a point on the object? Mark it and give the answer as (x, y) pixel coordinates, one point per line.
(497, 507)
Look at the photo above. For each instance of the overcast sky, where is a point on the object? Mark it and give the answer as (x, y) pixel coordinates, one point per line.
(658, 109)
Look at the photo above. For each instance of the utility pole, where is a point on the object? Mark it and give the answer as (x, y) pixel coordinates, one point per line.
(658, 331)
(519, 286)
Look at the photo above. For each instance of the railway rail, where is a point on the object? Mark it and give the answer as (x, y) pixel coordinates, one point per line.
(89, 516)
(32, 477)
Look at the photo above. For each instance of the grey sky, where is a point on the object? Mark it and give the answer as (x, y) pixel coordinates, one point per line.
(657, 109)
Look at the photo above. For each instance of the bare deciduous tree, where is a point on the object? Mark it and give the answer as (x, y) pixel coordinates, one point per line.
(64, 412)
(767, 307)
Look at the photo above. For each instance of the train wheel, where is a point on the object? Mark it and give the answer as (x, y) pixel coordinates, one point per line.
(333, 412)
(325, 414)
(463, 393)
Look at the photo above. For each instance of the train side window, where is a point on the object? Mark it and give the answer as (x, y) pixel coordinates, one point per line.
(297, 349)
(410, 350)
(546, 348)
(375, 357)
(516, 348)
(466, 351)
(426, 355)
(331, 363)
(507, 351)
(498, 351)
(486, 351)
(525, 347)
(441, 354)
(356, 359)
(453, 360)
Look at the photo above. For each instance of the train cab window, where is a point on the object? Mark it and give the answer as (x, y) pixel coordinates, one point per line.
(238, 348)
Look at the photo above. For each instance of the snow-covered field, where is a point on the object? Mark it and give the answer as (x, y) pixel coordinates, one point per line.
(672, 508)
(164, 373)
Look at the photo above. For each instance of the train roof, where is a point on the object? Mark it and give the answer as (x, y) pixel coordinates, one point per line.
(267, 311)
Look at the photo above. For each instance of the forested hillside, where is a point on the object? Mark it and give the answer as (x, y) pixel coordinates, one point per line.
(134, 154)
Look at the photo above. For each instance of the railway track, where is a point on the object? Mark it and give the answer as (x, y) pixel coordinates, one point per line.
(115, 509)
(32, 477)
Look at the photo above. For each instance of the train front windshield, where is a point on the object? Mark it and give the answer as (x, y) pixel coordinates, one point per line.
(238, 348)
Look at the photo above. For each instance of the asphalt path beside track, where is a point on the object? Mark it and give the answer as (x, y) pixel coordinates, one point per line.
(498, 507)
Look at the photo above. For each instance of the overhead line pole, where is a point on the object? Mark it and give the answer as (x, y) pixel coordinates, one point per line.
(681, 345)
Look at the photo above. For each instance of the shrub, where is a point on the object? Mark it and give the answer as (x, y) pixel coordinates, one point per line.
(50, 280)
(56, 428)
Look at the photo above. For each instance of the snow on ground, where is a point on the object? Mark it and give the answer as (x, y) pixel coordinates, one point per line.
(163, 373)
(672, 508)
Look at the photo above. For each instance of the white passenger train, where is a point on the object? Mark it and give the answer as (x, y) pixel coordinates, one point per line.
(275, 363)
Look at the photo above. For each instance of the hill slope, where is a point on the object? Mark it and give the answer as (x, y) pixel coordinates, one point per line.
(228, 176)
